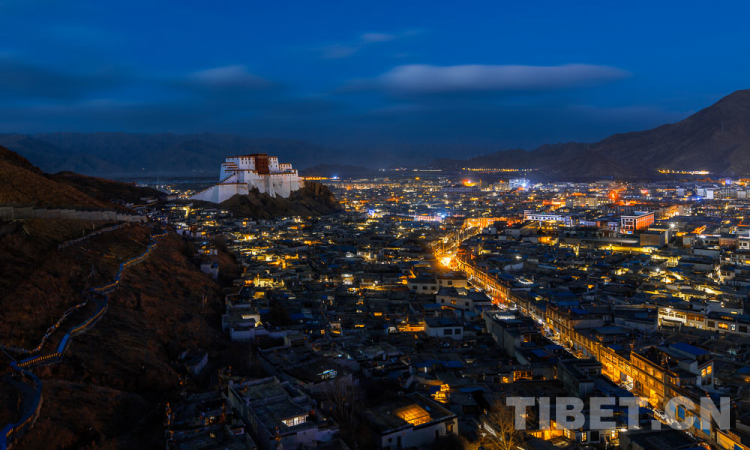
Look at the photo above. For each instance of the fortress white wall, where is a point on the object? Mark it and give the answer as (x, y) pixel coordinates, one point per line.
(221, 192)
(238, 176)
(280, 184)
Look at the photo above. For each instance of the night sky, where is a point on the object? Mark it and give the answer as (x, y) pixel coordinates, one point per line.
(355, 74)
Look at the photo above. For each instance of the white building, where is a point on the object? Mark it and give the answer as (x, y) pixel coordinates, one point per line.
(548, 217)
(444, 327)
(279, 415)
(241, 174)
(410, 421)
(462, 298)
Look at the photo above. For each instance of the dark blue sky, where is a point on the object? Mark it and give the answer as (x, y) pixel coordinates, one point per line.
(354, 74)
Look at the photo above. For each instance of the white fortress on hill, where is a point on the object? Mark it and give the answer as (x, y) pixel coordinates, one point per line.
(240, 174)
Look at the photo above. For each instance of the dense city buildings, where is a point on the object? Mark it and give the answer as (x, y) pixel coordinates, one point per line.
(407, 319)
(448, 295)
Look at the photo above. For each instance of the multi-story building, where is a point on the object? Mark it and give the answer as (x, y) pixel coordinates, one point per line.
(410, 421)
(705, 319)
(279, 414)
(661, 373)
(638, 221)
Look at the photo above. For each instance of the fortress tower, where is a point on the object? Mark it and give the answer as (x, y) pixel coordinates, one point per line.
(240, 174)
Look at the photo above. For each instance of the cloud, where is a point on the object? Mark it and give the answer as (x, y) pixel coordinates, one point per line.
(428, 79)
(345, 50)
(338, 51)
(228, 77)
(377, 37)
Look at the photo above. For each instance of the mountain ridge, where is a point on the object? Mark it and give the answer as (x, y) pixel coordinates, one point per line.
(24, 184)
(107, 153)
(716, 139)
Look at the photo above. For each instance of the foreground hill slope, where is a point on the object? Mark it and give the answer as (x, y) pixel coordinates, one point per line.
(111, 391)
(111, 387)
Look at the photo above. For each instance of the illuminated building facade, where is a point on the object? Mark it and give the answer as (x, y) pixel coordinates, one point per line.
(638, 221)
(241, 174)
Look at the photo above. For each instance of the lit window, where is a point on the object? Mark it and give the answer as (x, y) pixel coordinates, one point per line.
(294, 421)
(414, 414)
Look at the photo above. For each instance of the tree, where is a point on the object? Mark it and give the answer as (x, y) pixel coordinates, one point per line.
(497, 428)
(344, 399)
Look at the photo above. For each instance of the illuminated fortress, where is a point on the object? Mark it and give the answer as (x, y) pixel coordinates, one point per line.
(241, 174)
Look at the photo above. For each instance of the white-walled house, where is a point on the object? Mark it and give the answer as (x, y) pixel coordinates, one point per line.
(444, 327)
(411, 421)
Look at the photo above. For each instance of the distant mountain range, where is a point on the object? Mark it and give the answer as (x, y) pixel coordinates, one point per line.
(197, 154)
(126, 153)
(715, 139)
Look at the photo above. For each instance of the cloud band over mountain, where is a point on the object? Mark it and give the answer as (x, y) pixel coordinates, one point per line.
(430, 79)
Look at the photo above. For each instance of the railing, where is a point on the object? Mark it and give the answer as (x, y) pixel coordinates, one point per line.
(13, 431)
(13, 213)
(90, 235)
(29, 416)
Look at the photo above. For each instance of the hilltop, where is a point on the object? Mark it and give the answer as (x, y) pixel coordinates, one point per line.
(23, 184)
(314, 199)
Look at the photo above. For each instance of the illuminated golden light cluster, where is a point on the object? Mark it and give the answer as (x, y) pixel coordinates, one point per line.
(481, 169)
(685, 172)
(414, 414)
